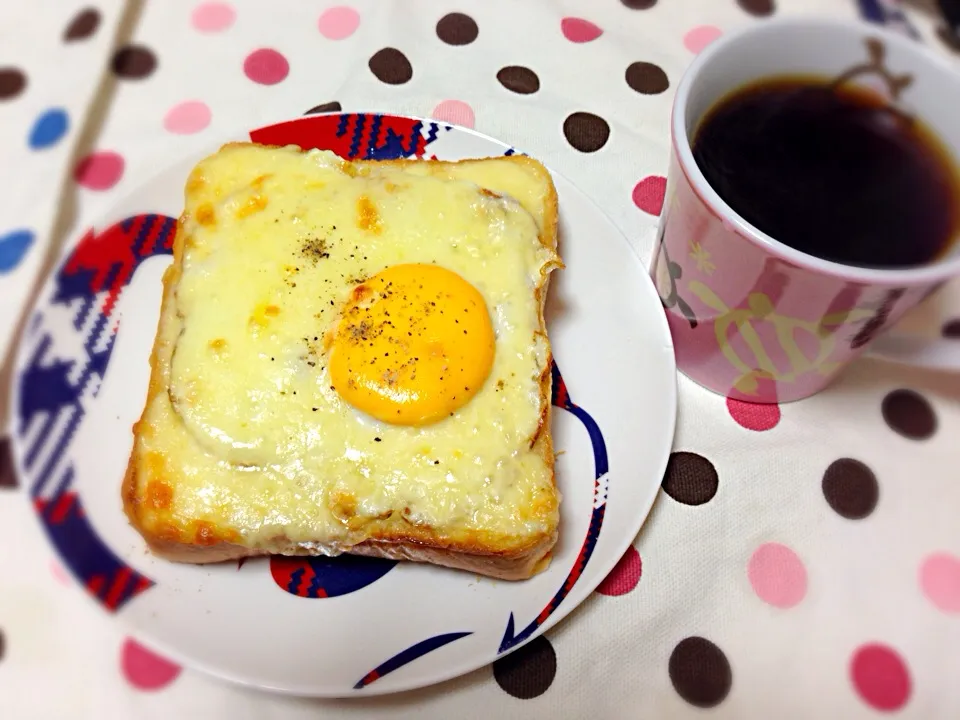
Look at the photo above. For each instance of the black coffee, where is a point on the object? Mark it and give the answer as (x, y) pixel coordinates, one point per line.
(832, 172)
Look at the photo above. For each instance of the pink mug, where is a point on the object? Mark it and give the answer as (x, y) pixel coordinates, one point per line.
(752, 318)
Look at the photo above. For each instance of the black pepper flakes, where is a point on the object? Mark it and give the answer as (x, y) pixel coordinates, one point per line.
(315, 249)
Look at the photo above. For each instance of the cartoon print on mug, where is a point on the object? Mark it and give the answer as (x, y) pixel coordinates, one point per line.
(701, 257)
(838, 311)
(879, 77)
(666, 274)
(799, 346)
(869, 329)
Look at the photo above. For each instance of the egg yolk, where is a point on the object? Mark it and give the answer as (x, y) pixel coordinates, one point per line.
(414, 344)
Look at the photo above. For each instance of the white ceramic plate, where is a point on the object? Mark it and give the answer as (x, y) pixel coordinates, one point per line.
(341, 626)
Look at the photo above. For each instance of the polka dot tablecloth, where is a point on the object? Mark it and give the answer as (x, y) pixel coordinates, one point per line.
(801, 561)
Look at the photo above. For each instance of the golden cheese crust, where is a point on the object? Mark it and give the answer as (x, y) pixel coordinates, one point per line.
(153, 479)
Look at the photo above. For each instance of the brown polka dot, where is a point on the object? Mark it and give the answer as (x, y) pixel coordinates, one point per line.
(391, 66)
(850, 488)
(324, 108)
(12, 82)
(948, 38)
(519, 79)
(759, 8)
(134, 62)
(951, 329)
(647, 78)
(700, 672)
(586, 132)
(690, 479)
(909, 413)
(529, 671)
(457, 29)
(8, 476)
(83, 25)
(639, 4)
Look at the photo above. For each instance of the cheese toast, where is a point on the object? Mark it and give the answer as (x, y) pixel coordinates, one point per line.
(352, 358)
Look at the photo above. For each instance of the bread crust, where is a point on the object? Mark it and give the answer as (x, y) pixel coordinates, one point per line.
(395, 540)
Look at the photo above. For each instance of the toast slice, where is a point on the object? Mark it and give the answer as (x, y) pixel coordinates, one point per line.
(248, 446)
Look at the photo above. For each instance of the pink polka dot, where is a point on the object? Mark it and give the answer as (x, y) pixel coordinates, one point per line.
(777, 575)
(754, 416)
(940, 581)
(213, 16)
(697, 39)
(266, 66)
(338, 23)
(456, 112)
(579, 30)
(624, 576)
(648, 194)
(187, 117)
(99, 170)
(145, 670)
(880, 677)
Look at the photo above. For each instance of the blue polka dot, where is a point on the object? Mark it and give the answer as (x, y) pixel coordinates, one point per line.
(49, 128)
(13, 246)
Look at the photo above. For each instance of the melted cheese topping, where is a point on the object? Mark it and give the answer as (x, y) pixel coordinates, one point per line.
(257, 433)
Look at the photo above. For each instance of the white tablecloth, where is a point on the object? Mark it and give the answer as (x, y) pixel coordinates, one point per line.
(802, 561)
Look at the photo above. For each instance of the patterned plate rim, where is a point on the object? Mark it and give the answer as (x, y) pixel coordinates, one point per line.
(153, 238)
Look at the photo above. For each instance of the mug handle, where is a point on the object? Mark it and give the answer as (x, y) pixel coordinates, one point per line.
(923, 352)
